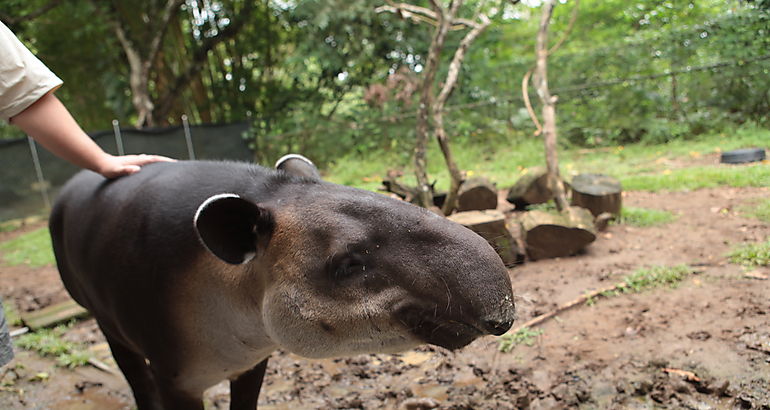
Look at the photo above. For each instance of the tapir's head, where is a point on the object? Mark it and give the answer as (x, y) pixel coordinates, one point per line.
(338, 270)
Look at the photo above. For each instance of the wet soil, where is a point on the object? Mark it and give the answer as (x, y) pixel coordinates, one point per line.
(703, 344)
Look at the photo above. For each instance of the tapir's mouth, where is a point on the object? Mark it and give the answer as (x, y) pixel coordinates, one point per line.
(445, 332)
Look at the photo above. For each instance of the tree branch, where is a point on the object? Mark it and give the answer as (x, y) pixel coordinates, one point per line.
(200, 55)
(459, 56)
(13, 20)
(423, 14)
(157, 40)
(567, 32)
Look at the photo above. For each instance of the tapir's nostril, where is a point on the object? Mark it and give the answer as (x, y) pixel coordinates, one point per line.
(497, 327)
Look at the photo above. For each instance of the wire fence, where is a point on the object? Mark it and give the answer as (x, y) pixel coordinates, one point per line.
(32, 177)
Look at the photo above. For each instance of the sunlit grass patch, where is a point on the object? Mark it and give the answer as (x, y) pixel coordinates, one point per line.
(50, 342)
(644, 217)
(699, 177)
(32, 249)
(751, 255)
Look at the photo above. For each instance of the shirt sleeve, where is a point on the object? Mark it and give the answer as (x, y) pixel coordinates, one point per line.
(23, 78)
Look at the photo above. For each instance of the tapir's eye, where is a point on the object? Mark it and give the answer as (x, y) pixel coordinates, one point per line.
(348, 266)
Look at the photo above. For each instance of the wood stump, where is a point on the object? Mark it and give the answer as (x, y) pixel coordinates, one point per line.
(476, 194)
(598, 193)
(550, 235)
(490, 225)
(406, 192)
(530, 189)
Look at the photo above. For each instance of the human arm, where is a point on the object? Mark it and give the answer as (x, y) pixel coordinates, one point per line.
(49, 123)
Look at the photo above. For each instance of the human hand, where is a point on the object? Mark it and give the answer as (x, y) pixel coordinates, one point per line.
(116, 166)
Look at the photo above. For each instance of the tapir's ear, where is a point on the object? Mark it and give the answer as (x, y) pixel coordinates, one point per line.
(230, 227)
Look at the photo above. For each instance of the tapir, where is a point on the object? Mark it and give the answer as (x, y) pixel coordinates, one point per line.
(197, 270)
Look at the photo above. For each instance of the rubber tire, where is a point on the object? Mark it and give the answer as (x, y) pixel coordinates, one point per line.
(741, 156)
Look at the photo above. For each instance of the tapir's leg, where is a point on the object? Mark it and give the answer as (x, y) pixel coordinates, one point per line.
(137, 374)
(244, 390)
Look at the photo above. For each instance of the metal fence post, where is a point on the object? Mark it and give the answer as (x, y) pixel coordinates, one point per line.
(188, 137)
(118, 137)
(39, 172)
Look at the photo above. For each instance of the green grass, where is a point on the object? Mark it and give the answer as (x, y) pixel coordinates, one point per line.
(524, 336)
(644, 217)
(757, 209)
(32, 249)
(49, 342)
(751, 255)
(638, 167)
(648, 278)
(685, 179)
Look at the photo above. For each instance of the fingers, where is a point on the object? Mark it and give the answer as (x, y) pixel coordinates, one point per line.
(118, 166)
(143, 159)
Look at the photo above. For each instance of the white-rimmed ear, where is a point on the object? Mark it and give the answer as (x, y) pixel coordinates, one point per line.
(298, 165)
(230, 227)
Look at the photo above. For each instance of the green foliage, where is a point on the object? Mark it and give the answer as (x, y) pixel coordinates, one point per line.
(524, 336)
(751, 255)
(31, 249)
(643, 217)
(50, 342)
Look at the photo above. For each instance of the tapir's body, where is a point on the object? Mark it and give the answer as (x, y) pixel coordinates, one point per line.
(197, 271)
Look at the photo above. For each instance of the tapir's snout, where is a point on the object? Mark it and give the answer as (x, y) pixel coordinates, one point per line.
(501, 321)
(464, 293)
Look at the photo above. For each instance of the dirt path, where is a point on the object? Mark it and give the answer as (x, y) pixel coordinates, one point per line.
(716, 324)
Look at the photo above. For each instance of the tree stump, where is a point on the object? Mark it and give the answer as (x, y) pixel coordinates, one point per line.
(490, 225)
(530, 189)
(598, 193)
(549, 235)
(476, 194)
(408, 193)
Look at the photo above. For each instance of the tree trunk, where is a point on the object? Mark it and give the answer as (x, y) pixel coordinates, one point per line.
(549, 108)
(455, 174)
(426, 100)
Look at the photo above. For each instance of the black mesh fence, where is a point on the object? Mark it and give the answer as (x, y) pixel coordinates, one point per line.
(21, 192)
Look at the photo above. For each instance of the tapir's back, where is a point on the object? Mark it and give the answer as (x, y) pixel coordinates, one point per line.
(133, 237)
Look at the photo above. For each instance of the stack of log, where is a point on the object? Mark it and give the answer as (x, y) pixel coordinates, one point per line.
(536, 234)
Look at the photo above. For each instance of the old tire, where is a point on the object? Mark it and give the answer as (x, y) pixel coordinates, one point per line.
(742, 156)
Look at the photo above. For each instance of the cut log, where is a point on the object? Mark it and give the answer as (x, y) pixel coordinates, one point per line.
(490, 225)
(549, 235)
(598, 193)
(53, 315)
(530, 189)
(476, 194)
(406, 192)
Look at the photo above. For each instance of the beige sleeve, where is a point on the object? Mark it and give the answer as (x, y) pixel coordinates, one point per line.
(23, 78)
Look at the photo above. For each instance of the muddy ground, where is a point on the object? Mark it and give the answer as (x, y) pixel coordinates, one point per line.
(611, 354)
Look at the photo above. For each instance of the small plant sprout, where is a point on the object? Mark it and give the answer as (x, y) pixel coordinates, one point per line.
(49, 342)
(525, 336)
(751, 255)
